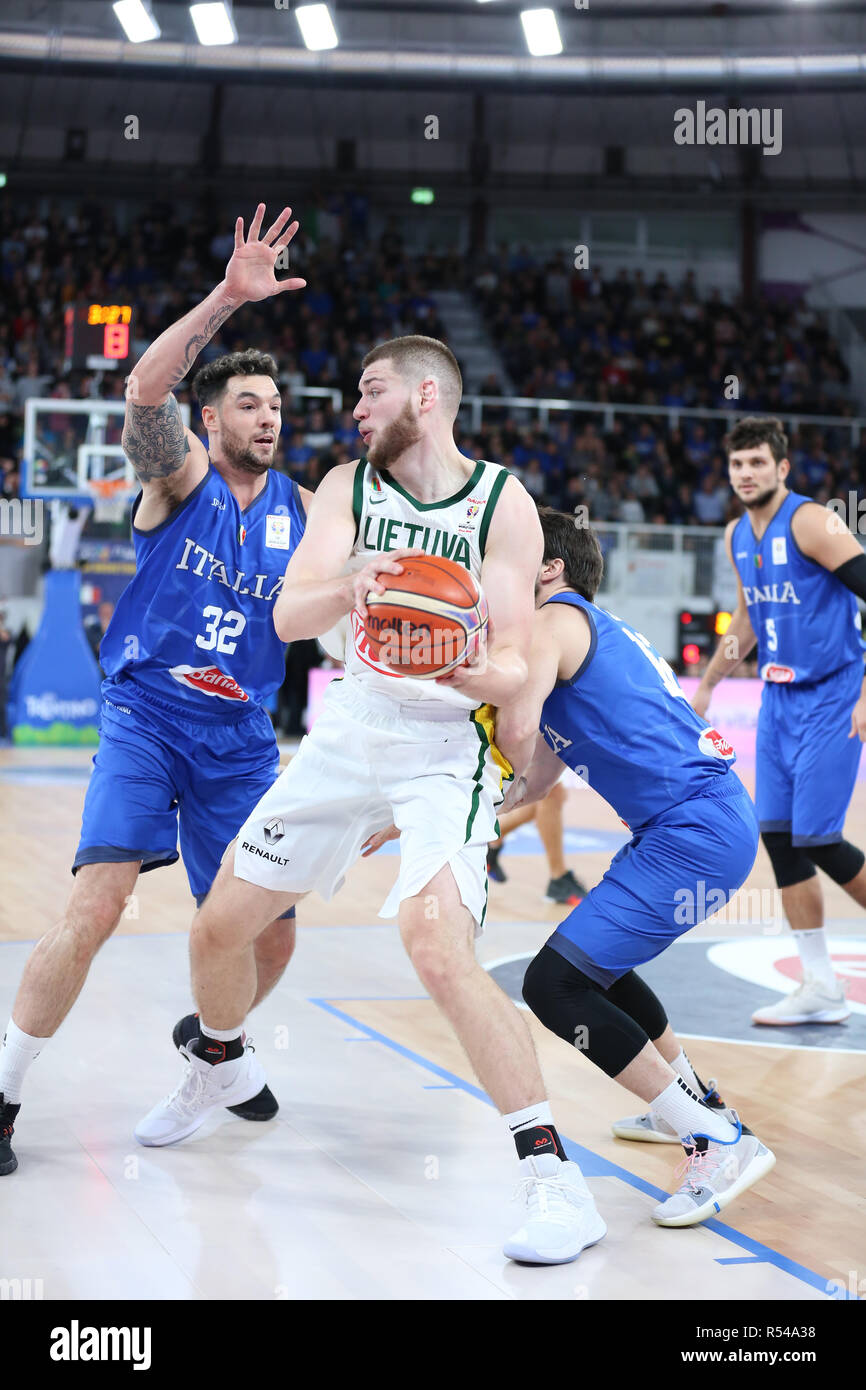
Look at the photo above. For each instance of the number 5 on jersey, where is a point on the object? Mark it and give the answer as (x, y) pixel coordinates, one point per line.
(222, 631)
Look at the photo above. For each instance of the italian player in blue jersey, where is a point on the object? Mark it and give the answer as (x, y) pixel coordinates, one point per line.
(190, 656)
(798, 570)
(599, 698)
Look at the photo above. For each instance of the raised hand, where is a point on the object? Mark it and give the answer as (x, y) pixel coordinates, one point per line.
(250, 272)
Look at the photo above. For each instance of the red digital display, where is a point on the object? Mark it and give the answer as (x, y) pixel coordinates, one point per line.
(98, 335)
(116, 340)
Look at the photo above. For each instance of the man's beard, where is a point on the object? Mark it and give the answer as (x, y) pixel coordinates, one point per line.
(393, 440)
(760, 499)
(242, 456)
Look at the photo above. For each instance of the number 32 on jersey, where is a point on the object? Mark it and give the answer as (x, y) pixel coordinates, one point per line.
(222, 631)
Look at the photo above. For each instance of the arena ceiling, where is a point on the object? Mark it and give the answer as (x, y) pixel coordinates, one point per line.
(267, 103)
(622, 43)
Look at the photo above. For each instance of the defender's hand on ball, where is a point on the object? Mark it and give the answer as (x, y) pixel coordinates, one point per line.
(466, 676)
(366, 581)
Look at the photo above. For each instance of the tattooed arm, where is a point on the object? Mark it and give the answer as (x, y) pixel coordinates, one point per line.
(168, 459)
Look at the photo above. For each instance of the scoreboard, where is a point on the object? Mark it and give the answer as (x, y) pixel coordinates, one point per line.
(99, 335)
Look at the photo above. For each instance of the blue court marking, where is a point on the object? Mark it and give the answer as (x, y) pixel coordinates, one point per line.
(743, 1260)
(592, 1164)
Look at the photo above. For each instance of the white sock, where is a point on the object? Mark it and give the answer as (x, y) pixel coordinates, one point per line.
(683, 1067)
(221, 1034)
(680, 1106)
(529, 1117)
(815, 957)
(19, 1050)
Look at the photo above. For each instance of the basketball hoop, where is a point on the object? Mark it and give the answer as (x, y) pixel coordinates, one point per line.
(110, 498)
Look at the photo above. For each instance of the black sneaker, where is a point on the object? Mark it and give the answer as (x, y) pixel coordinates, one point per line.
(8, 1161)
(494, 868)
(566, 889)
(261, 1107)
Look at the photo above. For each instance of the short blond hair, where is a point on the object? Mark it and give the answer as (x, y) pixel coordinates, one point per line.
(416, 357)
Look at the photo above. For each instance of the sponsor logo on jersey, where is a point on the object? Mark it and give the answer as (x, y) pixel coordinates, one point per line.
(777, 675)
(274, 830)
(262, 853)
(210, 680)
(219, 503)
(780, 550)
(472, 510)
(771, 593)
(377, 492)
(715, 744)
(278, 531)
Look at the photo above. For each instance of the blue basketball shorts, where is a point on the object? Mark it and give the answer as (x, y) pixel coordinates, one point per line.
(158, 771)
(805, 763)
(674, 872)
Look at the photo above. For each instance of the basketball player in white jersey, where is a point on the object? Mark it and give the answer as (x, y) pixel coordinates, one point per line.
(388, 748)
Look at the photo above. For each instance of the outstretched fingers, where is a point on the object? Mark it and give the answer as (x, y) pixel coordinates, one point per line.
(256, 224)
(276, 227)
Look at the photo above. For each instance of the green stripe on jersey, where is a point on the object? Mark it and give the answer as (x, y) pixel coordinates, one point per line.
(358, 495)
(498, 485)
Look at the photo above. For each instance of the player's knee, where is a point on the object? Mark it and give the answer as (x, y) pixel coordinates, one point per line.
(580, 1012)
(841, 861)
(791, 864)
(94, 910)
(436, 961)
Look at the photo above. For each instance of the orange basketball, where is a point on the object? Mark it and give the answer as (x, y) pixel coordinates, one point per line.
(430, 618)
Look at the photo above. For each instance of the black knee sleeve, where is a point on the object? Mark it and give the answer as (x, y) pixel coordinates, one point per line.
(791, 864)
(580, 1012)
(634, 996)
(841, 862)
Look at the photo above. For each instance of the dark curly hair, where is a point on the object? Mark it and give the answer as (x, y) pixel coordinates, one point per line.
(758, 429)
(209, 384)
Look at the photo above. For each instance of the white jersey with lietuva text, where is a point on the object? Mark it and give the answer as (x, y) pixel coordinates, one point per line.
(388, 518)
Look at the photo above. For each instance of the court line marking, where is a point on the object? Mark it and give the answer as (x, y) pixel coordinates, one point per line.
(602, 1167)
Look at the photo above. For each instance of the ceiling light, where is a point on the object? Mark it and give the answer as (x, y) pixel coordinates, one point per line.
(542, 32)
(317, 27)
(213, 23)
(138, 23)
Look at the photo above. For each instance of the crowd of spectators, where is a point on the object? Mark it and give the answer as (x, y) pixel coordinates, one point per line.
(571, 335)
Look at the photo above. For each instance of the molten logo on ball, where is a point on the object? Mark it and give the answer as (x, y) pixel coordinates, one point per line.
(430, 619)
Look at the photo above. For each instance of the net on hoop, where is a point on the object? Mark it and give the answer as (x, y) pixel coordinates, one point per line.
(110, 498)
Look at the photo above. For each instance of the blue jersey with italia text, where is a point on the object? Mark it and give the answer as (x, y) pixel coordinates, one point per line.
(195, 624)
(807, 623)
(625, 726)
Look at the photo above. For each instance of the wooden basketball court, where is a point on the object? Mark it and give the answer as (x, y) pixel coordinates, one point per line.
(387, 1174)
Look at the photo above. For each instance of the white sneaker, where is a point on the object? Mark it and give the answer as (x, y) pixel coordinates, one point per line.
(811, 1002)
(651, 1128)
(561, 1215)
(202, 1089)
(713, 1175)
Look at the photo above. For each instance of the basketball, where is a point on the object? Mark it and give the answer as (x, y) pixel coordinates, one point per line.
(429, 620)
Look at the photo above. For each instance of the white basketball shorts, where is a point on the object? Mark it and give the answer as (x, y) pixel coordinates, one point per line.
(431, 768)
